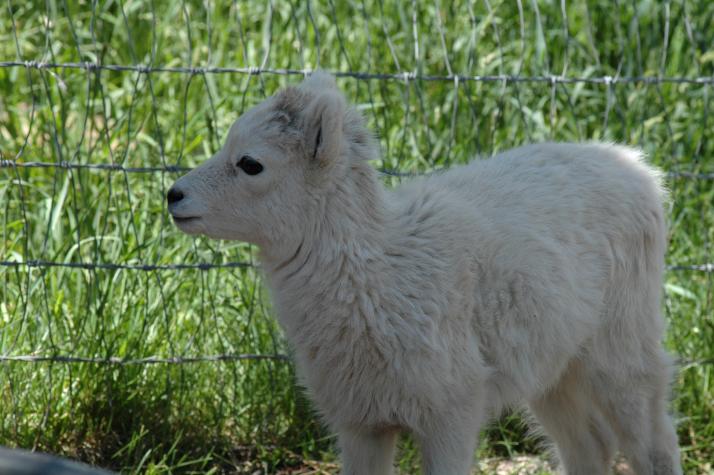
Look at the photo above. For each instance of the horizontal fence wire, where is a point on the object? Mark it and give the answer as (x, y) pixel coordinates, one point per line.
(117, 361)
(182, 169)
(400, 76)
(116, 266)
(96, 166)
(175, 360)
(225, 265)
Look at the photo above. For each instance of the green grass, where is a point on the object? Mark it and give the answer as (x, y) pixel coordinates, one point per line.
(217, 415)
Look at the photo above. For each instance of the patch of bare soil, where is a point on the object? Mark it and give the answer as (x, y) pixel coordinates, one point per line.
(522, 465)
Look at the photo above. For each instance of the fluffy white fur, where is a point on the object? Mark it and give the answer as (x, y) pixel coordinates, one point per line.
(532, 277)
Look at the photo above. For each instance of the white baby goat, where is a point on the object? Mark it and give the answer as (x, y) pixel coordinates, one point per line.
(531, 277)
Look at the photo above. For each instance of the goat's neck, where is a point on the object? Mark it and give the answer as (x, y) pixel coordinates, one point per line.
(340, 261)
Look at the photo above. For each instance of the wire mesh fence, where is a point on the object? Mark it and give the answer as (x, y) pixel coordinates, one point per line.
(117, 330)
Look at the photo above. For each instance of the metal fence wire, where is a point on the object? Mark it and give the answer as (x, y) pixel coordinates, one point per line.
(104, 105)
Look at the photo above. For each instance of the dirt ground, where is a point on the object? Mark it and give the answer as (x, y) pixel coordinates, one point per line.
(525, 465)
(518, 465)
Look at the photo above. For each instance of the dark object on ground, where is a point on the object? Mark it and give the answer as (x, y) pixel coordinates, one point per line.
(24, 462)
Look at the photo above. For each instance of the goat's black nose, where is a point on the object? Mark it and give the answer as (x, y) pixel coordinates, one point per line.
(174, 195)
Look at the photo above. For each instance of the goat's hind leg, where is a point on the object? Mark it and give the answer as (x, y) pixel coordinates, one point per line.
(637, 408)
(583, 436)
(665, 455)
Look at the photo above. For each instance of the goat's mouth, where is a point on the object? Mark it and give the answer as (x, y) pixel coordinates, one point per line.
(187, 224)
(184, 219)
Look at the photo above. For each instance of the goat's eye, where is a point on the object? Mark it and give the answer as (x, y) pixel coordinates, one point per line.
(250, 165)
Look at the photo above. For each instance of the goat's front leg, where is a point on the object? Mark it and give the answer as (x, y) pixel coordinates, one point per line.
(448, 444)
(367, 453)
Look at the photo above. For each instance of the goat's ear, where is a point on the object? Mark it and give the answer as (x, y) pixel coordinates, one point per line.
(319, 81)
(323, 118)
(287, 105)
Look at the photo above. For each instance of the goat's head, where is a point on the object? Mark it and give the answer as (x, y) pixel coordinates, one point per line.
(265, 184)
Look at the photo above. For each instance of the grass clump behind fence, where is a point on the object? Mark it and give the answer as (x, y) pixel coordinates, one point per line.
(103, 105)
